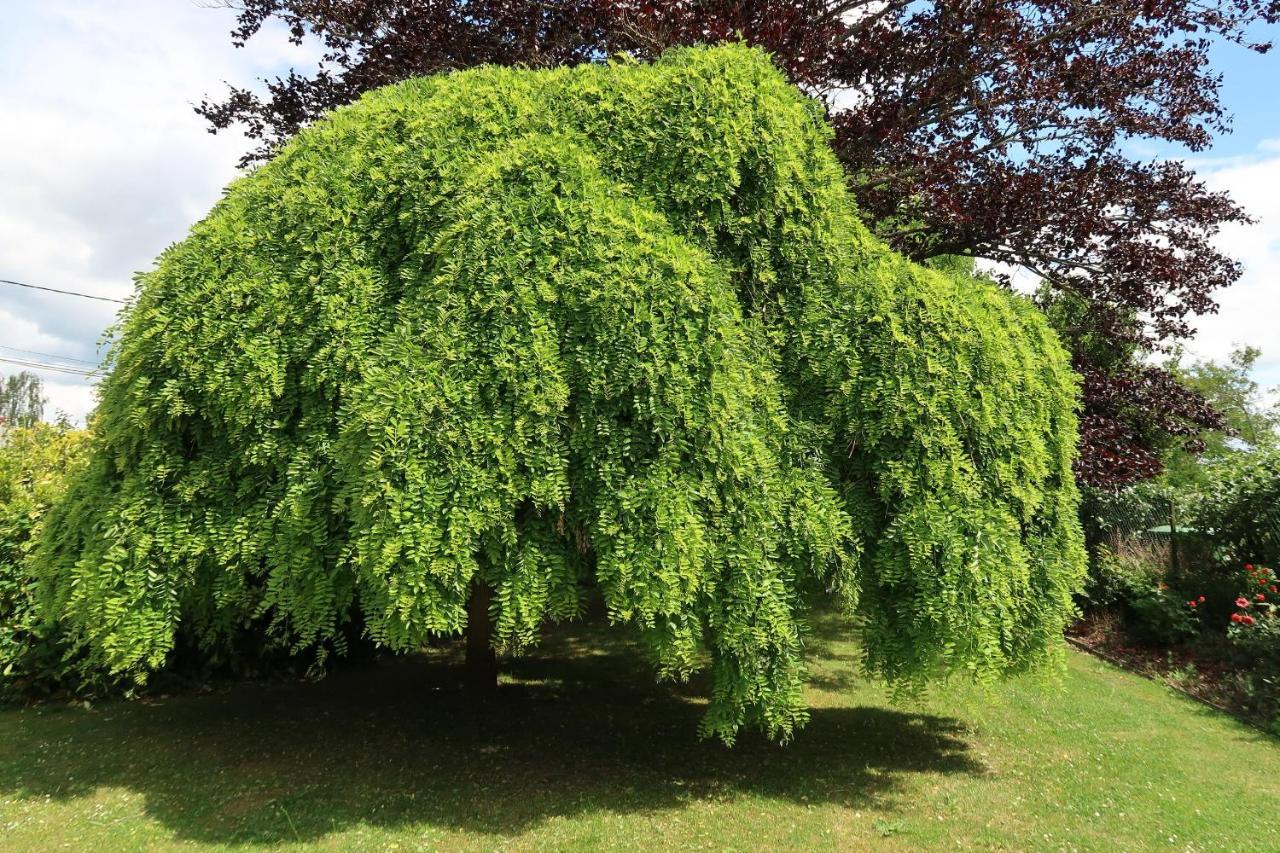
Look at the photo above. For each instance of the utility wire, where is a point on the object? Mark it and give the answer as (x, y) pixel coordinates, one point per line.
(64, 292)
(50, 355)
(41, 365)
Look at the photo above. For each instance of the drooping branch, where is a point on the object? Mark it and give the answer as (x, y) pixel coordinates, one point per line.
(994, 129)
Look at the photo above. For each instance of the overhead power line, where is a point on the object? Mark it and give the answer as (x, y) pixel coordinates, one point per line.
(50, 355)
(41, 365)
(63, 292)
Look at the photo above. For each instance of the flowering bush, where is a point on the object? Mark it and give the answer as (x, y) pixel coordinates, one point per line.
(1255, 635)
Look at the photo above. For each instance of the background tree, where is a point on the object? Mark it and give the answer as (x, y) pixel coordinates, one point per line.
(1138, 415)
(989, 128)
(21, 400)
(1249, 413)
(1202, 492)
(515, 335)
(1251, 420)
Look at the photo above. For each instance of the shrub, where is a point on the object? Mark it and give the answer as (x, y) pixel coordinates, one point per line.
(35, 463)
(1254, 631)
(1135, 579)
(528, 331)
(1240, 509)
(1163, 615)
(1115, 573)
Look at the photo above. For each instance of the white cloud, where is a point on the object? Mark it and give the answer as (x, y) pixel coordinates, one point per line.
(1250, 310)
(104, 162)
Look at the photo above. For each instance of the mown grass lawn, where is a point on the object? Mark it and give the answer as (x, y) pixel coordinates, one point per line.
(581, 750)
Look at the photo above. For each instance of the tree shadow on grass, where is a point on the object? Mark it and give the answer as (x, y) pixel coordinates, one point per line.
(578, 728)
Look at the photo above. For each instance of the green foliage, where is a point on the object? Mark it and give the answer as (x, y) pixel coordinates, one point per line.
(1231, 389)
(1159, 522)
(1134, 509)
(614, 325)
(1135, 579)
(1254, 632)
(35, 463)
(1162, 615)
(1240, 507)
(21, 400)
(1113, 576)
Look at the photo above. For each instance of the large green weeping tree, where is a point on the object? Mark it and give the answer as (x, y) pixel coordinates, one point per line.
(497, 337)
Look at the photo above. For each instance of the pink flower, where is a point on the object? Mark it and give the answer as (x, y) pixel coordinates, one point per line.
(1242, 602)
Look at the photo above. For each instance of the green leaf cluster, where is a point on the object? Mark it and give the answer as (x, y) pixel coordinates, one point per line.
(1239, 509)
(36, 463)
(612, 325)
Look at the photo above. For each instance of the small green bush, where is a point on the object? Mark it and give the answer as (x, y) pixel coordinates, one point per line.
(35, 463)
(1113, 576)
(1136, 581)
(1162, 615)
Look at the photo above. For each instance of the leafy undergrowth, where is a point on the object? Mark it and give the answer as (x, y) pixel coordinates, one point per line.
(580, 750)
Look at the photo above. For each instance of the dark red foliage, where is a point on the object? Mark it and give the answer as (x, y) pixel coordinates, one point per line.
(1132, 411)
(989, 128)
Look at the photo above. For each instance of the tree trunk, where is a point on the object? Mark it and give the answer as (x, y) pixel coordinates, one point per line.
(482, 662)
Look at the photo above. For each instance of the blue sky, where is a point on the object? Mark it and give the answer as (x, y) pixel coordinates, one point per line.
(1246, 163)
(103, 164)
(1250, 83)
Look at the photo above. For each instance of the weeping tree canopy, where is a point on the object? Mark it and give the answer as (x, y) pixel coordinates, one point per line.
(615, 326)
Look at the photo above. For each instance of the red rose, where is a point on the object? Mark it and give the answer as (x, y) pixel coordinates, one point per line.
(1248, 567)
(1273, 589)
(1201, 599)
(1191, 604)
(1259, 597)
(1247, 620)
(1242, 602)
(1236, 617)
